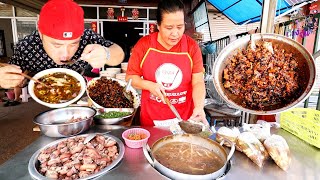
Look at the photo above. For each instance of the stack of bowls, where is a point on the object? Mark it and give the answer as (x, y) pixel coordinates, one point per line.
(124, 67)
(110, 72)
(121, 76)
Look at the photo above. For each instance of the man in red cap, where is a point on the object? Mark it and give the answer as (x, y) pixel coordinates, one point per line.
(60, 39)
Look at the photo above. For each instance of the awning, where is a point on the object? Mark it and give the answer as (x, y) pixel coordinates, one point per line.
(249, 11)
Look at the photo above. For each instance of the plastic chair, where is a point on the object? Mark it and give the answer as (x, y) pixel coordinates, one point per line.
(24, 95)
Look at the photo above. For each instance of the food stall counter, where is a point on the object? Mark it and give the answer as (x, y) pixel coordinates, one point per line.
(305, 160)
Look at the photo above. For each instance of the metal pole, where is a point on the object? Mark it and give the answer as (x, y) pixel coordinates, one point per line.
(268, 16)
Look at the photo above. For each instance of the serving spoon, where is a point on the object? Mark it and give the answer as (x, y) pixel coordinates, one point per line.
(93, 135)
(126, 90)
(190, 128)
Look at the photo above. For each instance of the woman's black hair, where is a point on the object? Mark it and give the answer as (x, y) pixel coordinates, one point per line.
(168, 6)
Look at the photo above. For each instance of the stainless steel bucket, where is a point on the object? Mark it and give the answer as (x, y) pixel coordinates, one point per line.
(193, 139)
(306, 65)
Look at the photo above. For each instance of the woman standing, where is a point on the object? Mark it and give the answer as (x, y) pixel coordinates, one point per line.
(168, 62)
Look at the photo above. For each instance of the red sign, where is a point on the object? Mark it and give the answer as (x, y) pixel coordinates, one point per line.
(94, 26)
(313, 6)
(122, 18)
(152, 28)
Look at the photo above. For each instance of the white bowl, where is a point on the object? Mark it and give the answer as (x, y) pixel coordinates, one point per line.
(120, 75)
(124, 65)
(57, 70)
(114, 70)
(111, 74)
(136, 99)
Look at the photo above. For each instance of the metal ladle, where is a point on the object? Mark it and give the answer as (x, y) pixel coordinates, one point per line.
(190, 128)
(93, 135)
(127, 92)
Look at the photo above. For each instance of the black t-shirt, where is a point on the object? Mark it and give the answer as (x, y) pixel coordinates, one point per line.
(30, 55)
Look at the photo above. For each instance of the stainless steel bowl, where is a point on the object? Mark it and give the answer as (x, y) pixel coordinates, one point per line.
(306, 65)
(34, 163)
(109, 121)
(53, 123)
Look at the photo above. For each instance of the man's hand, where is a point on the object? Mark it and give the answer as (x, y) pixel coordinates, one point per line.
(199, 115)
(95, 55)
(8, 80)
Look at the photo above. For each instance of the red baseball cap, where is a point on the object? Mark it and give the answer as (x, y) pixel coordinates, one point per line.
(61, 19)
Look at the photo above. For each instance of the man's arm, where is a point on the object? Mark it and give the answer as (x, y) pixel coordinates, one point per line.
(116, 55)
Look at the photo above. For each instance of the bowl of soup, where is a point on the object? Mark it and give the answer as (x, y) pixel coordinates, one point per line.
(63, 87)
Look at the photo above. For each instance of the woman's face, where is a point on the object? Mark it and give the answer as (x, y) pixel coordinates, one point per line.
(171, 29)
(60, 50)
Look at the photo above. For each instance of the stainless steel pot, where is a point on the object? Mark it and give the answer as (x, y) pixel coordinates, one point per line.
(53, 123)
(34, 163)
(193, 139)
(306, 65)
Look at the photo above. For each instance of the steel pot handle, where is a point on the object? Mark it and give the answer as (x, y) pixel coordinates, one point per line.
(147, 153)
(316, 55)
(233, 148)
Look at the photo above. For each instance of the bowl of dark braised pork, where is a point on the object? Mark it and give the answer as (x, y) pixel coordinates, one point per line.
(264, 73)
(59, 87)
(64, 122)
(70, 158)
(105, 92)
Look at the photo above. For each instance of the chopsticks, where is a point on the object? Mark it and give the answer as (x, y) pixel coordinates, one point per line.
(25, 75)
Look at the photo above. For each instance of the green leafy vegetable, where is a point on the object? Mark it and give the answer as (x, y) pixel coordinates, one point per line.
(112, 114)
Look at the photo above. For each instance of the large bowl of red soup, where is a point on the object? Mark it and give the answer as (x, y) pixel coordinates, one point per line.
(59, 87)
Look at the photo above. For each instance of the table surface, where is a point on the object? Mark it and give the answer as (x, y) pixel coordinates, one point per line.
(305, 160)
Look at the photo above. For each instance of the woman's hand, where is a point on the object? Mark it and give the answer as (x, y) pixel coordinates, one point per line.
(95, 55)
(8, 80)
(157, 90)
(199, 115)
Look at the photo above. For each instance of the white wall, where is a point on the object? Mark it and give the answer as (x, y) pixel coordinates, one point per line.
(221, 26)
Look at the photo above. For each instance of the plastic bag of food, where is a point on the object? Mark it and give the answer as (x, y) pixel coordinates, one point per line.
(252, 147)
(261, 131)
(279, 151)
(227, 133)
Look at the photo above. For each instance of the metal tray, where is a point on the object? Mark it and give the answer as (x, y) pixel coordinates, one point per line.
(34, 162)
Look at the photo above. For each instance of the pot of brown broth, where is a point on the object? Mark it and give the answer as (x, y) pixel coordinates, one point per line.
(188, 156)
